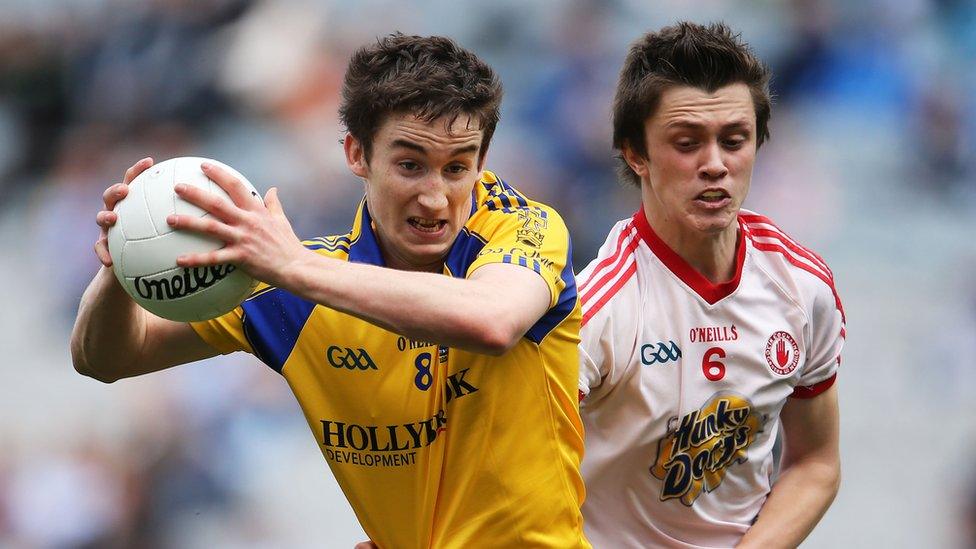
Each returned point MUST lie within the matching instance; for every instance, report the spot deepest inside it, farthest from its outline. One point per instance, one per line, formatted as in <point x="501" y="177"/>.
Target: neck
<point x="712" y="254"/>
<point x="394" y="262"/>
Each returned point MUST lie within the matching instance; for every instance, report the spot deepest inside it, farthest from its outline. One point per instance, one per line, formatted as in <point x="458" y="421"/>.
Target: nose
<point x="712" y="166"/>
<point x="433" y="196"/>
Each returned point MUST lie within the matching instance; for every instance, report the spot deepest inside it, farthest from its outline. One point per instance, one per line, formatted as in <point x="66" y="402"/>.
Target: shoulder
<point x="607" y="286"/>
<point x="795" y="268"/>
<point x="496" y="202"/>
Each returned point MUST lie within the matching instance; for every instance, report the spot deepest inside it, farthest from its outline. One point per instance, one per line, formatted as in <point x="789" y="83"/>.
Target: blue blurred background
<point x="871" y="163"/>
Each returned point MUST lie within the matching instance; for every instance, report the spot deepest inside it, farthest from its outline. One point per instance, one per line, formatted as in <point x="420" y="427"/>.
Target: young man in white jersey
<point x="707" y="331"/>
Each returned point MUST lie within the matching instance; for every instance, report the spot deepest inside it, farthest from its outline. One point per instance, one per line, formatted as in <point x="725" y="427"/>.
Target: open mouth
<point x="426" y="225"/>
<point x="713" y="196"/>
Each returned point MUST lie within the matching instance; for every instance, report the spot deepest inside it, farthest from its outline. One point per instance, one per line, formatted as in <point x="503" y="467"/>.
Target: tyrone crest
<point x="782" y="353"/>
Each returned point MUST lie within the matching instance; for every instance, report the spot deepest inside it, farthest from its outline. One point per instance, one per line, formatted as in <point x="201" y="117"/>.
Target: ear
<point x="637" y="162"/>
<point x="355" y="156"/>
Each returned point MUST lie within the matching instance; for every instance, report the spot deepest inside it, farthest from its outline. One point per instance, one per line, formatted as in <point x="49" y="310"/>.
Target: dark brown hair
<point x="686" y="54"/>
<point x="427" y="76"/>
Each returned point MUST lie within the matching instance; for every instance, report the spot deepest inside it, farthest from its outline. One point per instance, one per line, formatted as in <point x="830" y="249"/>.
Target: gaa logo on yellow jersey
<point x="350" y="359"/>
<point x="695" y="456"/>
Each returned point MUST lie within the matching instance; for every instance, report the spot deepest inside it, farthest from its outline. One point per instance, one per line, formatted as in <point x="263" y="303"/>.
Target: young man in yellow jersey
<point x="433" y="347"/>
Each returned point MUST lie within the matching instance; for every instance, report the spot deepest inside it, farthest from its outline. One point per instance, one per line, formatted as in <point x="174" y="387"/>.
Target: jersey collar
<point x="364" y="248"/>
<point x="705" y="288"/>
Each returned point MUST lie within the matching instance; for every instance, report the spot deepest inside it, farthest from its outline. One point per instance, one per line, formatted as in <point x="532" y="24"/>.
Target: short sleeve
<point x="226" y="332"/>
<point x="827" y="335"/>
<point x="533" y="236"/>
<point x="609" y="333"/>
<point x="594" y="364"/>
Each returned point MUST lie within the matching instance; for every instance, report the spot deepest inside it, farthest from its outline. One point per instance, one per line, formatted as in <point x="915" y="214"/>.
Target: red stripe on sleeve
<point x="796" y="248"/>
<point x="767" y="247"/>
<point x="588" y="313"/>
<point x="815" y="389"/>
<point x="813" y="256"/>
<point x="592" y="289"/>
<point x="610" y="259"/>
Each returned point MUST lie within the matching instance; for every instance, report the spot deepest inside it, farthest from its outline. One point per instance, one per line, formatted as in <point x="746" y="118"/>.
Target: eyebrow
<point x="738" y="124"/>
<point x="403" y="143"/>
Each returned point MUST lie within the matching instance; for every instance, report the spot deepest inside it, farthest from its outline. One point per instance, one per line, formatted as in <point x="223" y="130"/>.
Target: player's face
<point x="701" y="150"/>
<point x="418" y="186"/>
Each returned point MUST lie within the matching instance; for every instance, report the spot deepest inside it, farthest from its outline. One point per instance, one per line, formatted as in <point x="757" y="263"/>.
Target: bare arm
<point x="486" y="313"/>
<point x="810" y="477"/>
<point x="113" y="337"/>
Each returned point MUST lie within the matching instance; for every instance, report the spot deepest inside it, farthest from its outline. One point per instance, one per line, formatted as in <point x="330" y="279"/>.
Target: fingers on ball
<point x="137" y="168"/>
<point x="226" y="181"/>
<point x="101" y="250"/>
<point x="113" y="194"/>
<point x="215" y="257"/>
<point x="106" y="219"/>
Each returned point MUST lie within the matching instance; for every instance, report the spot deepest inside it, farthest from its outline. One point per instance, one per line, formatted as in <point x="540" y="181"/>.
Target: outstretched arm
<point x="810" y="476"/>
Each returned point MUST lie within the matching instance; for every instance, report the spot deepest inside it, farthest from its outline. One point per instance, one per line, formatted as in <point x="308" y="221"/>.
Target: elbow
<point x="498" y="339"/>
<point x="835" y="479"/>
<point x="823" y="473"/>
<point x="83" y="367"/>
<point x="830" y="475"/>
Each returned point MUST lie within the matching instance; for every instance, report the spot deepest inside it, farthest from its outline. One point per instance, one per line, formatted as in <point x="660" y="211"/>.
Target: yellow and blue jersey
<point x="435" y="446"/>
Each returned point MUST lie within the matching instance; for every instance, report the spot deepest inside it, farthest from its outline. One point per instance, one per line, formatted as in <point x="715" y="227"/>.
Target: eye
<point x="457" y="169"/>
<point x="685" y="144"/>
<point x="733" y="143"/>
<point x="409" y="165"/>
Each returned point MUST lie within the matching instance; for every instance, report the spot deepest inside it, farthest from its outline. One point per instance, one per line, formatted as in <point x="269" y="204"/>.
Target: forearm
<point x="109" y="331"/>
<point x="796" y="504"/>
<point x="426" y="306"/>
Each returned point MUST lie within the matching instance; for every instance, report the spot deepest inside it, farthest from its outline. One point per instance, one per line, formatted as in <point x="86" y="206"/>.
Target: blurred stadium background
<point x="871" y="163"/>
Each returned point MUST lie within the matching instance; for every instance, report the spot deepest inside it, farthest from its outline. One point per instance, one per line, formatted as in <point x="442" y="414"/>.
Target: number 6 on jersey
<point x="713" y="369"/>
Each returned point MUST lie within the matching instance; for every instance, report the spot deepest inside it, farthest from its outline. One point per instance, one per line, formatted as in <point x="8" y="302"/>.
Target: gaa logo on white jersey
<point x="659" y="353"/>
<point x="782" y="353"/>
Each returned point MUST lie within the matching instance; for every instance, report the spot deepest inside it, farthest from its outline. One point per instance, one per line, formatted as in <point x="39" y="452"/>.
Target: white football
<point x="144" y="247"/>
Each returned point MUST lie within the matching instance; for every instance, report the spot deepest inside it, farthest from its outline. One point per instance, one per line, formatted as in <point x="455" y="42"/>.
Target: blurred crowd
<point x="874" y="128"/>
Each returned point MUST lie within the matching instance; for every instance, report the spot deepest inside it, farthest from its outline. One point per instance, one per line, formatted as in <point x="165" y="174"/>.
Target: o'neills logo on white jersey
<point x="695" y="456"/>
<point x="189" y="281"/>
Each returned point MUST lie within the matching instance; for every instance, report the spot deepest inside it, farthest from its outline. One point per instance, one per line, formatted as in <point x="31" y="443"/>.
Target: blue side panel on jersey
<point x="563" y="307"/>
<point x="463" y="252"/>
<point x="366" y="249"/>
<point x="273" y="321"/>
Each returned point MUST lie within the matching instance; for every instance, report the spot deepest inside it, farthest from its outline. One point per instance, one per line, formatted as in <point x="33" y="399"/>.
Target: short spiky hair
<point x="427" y="76"/>
<point x="687" y="54"/>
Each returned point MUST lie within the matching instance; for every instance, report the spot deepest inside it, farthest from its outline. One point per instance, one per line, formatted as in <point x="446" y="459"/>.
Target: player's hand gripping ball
<point x="144" y="247"/>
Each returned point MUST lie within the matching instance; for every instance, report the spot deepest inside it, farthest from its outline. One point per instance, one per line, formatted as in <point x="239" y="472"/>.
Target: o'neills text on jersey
<point x="353" y="443"/>
<point x="713" y="333"/>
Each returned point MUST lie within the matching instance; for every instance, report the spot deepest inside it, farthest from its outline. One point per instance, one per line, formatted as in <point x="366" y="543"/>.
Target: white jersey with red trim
<point x="682" y="381"/>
